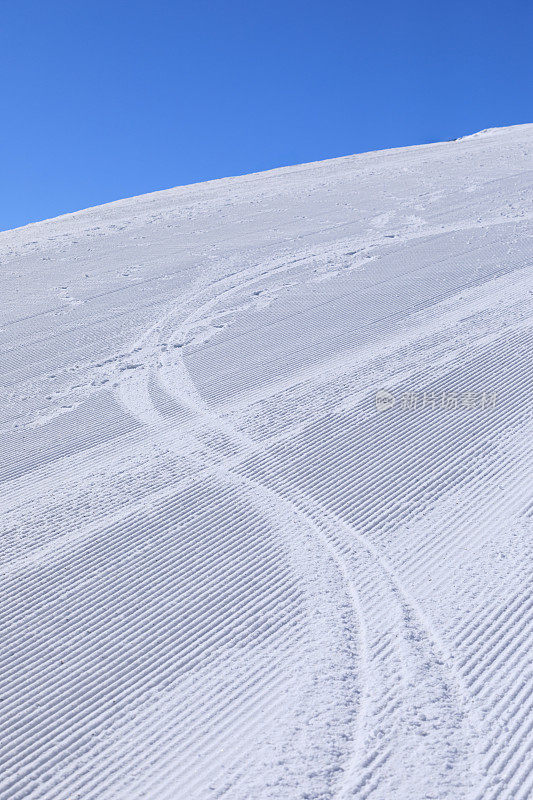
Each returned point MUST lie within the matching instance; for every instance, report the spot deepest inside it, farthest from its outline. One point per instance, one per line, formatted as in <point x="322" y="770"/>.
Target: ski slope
<point x="265" y="486"/>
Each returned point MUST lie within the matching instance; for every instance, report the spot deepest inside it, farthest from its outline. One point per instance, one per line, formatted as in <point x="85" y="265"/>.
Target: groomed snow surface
<point x="266" y="486"/>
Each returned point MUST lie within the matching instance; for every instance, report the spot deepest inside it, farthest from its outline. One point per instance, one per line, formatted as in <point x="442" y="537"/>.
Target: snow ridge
<point x="228" y="568"/>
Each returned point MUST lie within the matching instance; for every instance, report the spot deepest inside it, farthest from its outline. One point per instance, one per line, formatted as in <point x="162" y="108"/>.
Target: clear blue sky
<point x="108" y="99"/>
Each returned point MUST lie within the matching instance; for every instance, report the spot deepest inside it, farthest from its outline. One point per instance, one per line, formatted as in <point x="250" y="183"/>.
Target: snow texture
<point x="265" y="483"/>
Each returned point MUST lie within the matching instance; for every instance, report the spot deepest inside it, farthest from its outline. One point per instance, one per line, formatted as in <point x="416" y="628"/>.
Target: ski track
<point x="225" y="573"/>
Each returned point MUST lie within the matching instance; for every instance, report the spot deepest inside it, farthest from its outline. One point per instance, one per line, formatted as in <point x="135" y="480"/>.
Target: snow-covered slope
<point x="265" y="482"/>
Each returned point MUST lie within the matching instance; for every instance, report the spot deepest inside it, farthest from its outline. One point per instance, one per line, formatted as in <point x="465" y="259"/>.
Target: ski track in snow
<point x="225" y="572"/>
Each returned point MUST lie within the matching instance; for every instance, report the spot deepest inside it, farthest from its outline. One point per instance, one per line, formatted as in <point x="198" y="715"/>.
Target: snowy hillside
<point x="265" y="486"/>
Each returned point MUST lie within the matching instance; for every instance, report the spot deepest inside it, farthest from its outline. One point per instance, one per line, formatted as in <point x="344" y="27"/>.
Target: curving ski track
<point x="225" y="572"/>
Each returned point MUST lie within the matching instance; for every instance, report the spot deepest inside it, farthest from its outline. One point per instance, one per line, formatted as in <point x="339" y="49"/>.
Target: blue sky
<point x="103" y="100"/>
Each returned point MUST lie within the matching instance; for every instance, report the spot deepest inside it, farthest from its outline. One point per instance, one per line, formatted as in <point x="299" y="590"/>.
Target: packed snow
<point x="265" y="486"/>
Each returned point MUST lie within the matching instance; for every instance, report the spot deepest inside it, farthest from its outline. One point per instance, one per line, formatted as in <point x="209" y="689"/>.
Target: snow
<point x="266" y="485"/>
